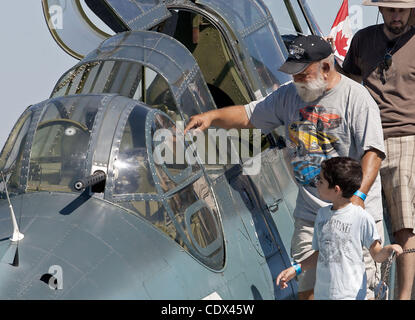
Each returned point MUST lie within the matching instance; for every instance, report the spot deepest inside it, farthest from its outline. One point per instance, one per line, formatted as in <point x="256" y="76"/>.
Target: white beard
<point x="312" y="90"/>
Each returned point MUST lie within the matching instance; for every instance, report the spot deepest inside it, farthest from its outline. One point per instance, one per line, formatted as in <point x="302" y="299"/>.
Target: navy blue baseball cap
<point x="304" y="50"/>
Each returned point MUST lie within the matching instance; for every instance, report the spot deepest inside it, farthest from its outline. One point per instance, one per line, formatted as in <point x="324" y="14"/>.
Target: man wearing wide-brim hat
<point x="382" y="57"/>
<point x="390" y="4"/>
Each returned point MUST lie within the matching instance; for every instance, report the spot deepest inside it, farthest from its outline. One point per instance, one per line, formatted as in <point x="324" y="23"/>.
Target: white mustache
<point x="312" y="90"/>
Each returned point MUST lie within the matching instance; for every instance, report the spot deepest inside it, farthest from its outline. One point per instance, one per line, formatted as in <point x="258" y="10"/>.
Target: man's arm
<point x="227" y="118"/>
<point x="370" y="162"/>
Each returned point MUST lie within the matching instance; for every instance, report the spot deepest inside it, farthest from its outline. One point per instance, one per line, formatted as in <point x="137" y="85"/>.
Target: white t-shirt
<point x="345" y="122"/>
<point x="339" y="236"/>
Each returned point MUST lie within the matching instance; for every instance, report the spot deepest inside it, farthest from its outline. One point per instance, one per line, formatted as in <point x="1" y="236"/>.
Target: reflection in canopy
<point x="259" y="41"/>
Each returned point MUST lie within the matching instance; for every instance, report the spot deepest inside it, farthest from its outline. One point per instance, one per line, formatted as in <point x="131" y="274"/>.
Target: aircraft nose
<point x="74" y="247"/>
<point x="34" y="267"/>
<point x="38" y="266"/>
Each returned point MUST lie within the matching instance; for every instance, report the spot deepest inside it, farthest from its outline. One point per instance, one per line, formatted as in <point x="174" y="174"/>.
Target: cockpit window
<point x="189" y="200"/>
<point x="264" y="61"/>
<point x="129" y="79"/>
<point x="154" y="178"/>
<point x="259" y="42"/>
<point x="60" y="145"/>
<point x="197" y="221"/>
<point x="12" y="153"/>
<point x="288" y="16"/>
<point x="120" y="77"/>
<point x="170" y="155"/>
<point x="131" y="169"/>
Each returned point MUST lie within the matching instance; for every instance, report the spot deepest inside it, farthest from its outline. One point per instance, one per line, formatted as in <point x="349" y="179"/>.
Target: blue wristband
<point x="360" y="194"/>
<point x="297" y="268"/>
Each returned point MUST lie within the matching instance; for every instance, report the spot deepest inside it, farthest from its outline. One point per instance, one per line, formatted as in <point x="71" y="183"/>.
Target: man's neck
<point x="333" y="80"/>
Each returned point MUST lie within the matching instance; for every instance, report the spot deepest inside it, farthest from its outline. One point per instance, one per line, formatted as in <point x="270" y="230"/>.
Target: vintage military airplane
<point x="86" y="211"/>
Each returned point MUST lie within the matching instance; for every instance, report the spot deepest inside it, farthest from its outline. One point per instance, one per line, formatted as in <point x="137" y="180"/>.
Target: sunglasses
<point x="384" y="66"/>
<point x="387" y="60"/>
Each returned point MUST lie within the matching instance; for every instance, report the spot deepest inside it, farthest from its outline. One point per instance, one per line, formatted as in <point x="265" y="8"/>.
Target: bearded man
<point x="325" y="114"/>
<point x="382" y="57"/>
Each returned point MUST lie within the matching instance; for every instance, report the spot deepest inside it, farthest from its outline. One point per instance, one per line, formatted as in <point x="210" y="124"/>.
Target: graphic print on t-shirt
<point x="335" y="235"/>
<point x="310" y="143"/>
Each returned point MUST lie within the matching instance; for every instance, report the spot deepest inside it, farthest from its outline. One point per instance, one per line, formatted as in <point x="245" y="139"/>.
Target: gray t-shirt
<point x="339" y="236"/>
<point x="345" y="121"/>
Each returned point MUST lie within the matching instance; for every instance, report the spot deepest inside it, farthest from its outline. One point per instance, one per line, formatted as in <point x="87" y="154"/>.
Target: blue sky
<point x="31" y="62"/>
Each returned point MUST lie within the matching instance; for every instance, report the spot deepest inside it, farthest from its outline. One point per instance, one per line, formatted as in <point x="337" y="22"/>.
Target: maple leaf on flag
<point x="341" y="33"/>
<point x="341" y="43"/>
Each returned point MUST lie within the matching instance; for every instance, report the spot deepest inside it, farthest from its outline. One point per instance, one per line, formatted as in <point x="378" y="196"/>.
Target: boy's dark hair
<point x="344" y="172"/>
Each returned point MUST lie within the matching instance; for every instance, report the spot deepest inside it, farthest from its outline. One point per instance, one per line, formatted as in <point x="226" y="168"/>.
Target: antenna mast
<point x="17" y="236"/>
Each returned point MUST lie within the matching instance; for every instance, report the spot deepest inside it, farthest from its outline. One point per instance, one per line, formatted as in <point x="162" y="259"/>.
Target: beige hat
<point x="390" y="3"/>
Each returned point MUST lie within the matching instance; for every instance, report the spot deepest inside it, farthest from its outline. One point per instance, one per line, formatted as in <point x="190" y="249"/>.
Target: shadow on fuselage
<point x="265" y="236"/>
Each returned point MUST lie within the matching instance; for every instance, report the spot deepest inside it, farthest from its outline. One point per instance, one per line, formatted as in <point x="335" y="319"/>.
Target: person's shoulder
<point x="356" y="89"/>
<point x="323" y="211"/>
<point x="350" y="82"/>
<point x="366" y="32"/>
<point x="285" y="91"/>
<point x="286" y="87"/>
<point x="278" y="97"/>
<point x="321" y="215"/>
<point x="362" y="213"/>
<point x="353" y="85"/>
<point x="358" y="210"/>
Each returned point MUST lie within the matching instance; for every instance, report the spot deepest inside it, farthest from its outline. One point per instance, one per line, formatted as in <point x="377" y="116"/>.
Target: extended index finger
<point x="193" y="123"/>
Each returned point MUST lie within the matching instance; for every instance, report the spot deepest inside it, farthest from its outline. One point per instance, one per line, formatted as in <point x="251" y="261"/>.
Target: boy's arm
<point x="380" y="254"/>
<point x="289" y="273"/>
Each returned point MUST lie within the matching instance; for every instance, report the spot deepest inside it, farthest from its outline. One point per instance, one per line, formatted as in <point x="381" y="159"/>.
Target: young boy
<point x="340" y="232"/>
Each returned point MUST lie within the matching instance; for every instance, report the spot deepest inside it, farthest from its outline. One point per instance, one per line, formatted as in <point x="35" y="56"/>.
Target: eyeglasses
<point x="384" y="66"/>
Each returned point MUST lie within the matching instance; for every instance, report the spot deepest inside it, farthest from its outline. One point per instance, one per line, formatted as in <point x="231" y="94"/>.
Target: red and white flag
<point x="341" y="33"/>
